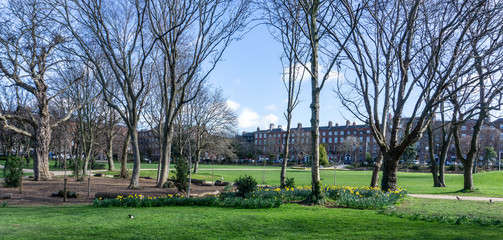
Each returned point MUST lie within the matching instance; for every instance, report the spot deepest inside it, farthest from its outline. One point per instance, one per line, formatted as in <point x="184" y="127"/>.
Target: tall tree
<point x="285" y="30"/>
<point x="402" y="55"/>
<point x="191" y="37"/>
<point x="30" y="40"/>
<point x="110" y="36"/>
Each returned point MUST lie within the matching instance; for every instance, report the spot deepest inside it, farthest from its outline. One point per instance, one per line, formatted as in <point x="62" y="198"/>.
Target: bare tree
<point x="285" y="30"/>
<point x="403" y="55"/>
<point x="189" y="35"/>
<point x="30" y="41"/>
<point x="110" y="36"/>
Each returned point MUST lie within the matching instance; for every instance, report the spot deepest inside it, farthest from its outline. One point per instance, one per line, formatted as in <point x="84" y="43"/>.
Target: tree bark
<point x="286" y="150"/>
<point x="124" y="173"/>
<point x="389" y="179"/>
<point x="110" y="153"/>
<point x="135" y="178"/>
<point x="42" y="141"/>
<point x="468" y="176"/>
<point x="166" y="155"/>
<point x="196" y="162"/>
<point x="374" y="181"/>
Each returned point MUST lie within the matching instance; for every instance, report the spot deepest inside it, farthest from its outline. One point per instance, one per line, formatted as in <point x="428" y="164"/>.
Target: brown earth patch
<point x="39" y="192"/>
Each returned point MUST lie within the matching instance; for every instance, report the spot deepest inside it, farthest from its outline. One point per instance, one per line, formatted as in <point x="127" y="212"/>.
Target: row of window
<point x="260" y="135"/>
<point x="305" y="140"/>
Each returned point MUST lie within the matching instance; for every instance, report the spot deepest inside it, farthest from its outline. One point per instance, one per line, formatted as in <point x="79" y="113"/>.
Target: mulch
<point x="39" y="192"/>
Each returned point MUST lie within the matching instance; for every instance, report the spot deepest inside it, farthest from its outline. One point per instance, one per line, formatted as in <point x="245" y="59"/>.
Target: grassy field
<point x="488" y="184"/>
<point x="451" y="208"/>
<point x="287" y="222"/>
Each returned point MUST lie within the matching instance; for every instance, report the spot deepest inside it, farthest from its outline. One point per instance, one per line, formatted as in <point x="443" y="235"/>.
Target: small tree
<point x="410" y="154"/>
<point x="490" y="155"/>
<point x="13" y="172"/>
<point x="245" y="185"/>
<point x="182" y="171"/>
<point x="323" y="155"/>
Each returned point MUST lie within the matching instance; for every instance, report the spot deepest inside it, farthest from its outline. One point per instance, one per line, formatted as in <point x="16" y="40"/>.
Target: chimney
<point x="258" y="129"/>
<point x="348" y="123"/>
<point x="354" y="123"/>
<point x="279" y="126"/>
<point x="329" y="124"/>
<point x="271" y="126"/>
<point x="299" y="126"/>
<point x="336" y="124"/>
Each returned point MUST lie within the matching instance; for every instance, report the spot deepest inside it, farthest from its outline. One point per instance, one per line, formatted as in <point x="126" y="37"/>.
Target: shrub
<point x="168" y="184"/>
<point x="290" y="182"/>
<point x="181" y="173"/>
<point x="13" y="171"/>
<point x="96" y="165"/>
<point x="245" y="185"/>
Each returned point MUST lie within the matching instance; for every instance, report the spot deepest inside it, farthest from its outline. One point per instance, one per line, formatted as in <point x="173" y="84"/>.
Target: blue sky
<point x="250" y="76"/>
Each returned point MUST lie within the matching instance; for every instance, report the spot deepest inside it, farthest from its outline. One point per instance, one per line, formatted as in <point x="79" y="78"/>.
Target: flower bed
<point x="353" y="197"/>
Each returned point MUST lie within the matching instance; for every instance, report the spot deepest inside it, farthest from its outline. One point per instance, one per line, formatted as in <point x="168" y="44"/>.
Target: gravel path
<point x="494" y="199"/>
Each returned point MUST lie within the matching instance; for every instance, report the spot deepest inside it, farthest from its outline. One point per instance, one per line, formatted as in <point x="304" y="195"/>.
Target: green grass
<point x="287" y="222"/>
<point x="446" y="207"/>
<point x="488" y="184"/>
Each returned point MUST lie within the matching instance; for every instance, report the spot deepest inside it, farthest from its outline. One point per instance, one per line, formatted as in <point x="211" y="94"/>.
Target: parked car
<point x="415" y="162"/>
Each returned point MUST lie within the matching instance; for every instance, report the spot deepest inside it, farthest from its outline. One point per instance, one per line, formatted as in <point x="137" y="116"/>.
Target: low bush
<point x="245" y="185"/>
<point x="364" y="197"/>
<point x="289" y="183"/>
<point x="96" y="165"/>
<point x="171" y="200"/>
<point x="13" y="172"/>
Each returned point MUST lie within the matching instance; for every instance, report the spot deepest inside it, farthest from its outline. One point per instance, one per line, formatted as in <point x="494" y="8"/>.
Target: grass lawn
<point x="451" y="208"/>
<point x="287" y="222"/>
<point x="488" y="184"/>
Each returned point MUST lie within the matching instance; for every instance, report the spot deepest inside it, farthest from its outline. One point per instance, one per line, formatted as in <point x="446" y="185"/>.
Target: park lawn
<point x="489" y="184"/>
<point x="450" y="208"/>
<point x="290" y="221"/>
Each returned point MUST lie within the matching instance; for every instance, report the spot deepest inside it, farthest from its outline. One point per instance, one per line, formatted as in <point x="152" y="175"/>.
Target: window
<point x="323" y="140"/>
<point x="501" y="126"/>
<point x="349" y="132"/>
<point x="342" y="132"/>
<point x="260" y="142"/>
<point x="335" y="133"/>
<point x="323" y="133"/>
<point x="361" y="139"/>
<point x="256" y="135"/>
<point x="329" y="140"/>
<point x="261" y="135"/>
<point x="329" y="133"/>
<point x="284" y="134"/>
<point x="283" y="141"/>
<point x="368" y="139"/>
<point x="354" y="132"/>
<point x="463" y="135"/>
<point x="368" y="131"/>
<point x="336" y="140"/>
<point x="279" y="141"/>
<point x="463" y="127"/>
<point x="342" y="140"/>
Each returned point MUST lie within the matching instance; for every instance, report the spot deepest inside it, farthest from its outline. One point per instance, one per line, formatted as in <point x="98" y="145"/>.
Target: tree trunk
<point x="135" y="178"/>
<point x="110" y="153"/>
<point x="374" y="181"/>
<point x="468" y="175"/>
<point x="196" y="162"/>
<point x="389" y="179"/>
<point x="431" y="154"/>
<point x="42" y="141"/>
<point x="166" y="155"/>
<point x="124" y="173"/>
<point x="287" y="146"/>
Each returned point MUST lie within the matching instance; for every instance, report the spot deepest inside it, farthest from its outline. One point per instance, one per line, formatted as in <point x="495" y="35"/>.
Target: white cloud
<point x="233" y="105"/>
<point x="271" y="107"/>
<point x="251" y="119"/>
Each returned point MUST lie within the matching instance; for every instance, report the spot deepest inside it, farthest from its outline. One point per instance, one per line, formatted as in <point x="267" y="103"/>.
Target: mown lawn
<point x="488" y="184"/>
<point x="450" y="208"/>
<point x="287" y="222"/>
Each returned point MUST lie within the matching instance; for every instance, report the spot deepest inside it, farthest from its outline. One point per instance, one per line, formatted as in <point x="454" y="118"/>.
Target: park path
<point x="432" y="196"/>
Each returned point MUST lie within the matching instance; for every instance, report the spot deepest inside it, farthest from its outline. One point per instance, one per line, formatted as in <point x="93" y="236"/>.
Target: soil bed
<point x="39" y="192"/>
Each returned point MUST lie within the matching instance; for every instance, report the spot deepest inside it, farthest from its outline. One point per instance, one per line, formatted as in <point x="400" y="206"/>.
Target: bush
<point x="96" y="165"/>
<point x="245" y="185"/>
<point x="168" y="184"/>
<point x="13" y="171"/>
<point x="181" y="173"/>
<point x="290" y="182"/>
